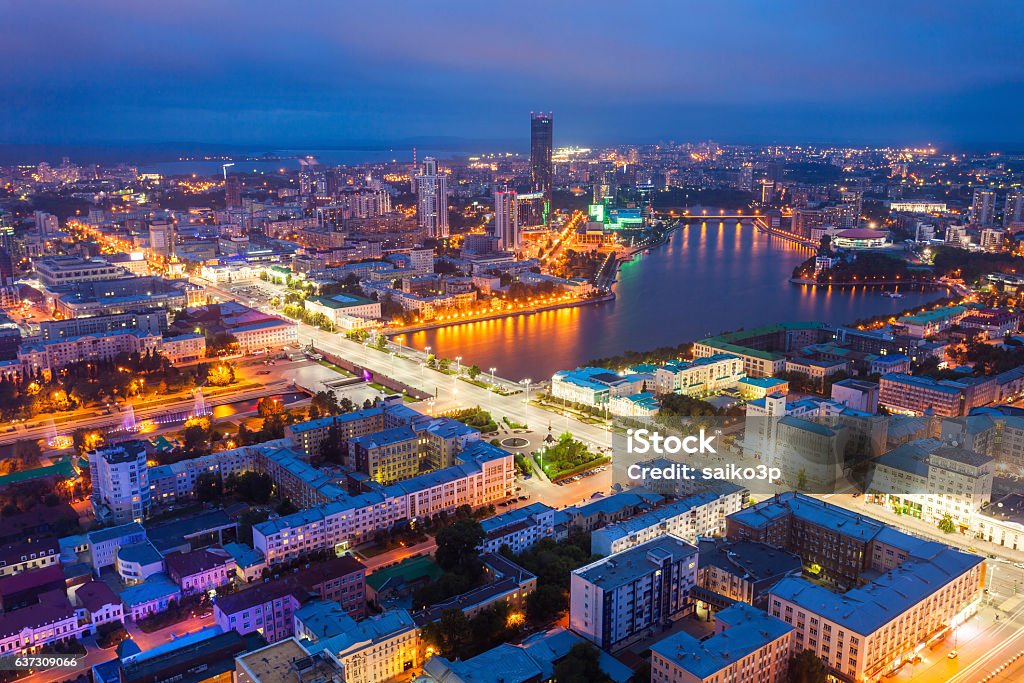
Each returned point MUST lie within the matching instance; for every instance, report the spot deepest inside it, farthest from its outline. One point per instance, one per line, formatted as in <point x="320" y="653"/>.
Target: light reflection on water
<point x="709" y="278"/>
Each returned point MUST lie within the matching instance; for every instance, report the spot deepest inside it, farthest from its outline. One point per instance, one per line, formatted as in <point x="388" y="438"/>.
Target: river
<point x="708" y="278"/>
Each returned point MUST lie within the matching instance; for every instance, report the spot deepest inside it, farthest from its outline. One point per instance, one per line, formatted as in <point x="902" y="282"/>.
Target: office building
<point x="916" y="395"/>
<point x="620" y="597"/>
<point x="541" y="148"/>
<point x="120" y="482"/>
<point x="432" y="199"/>
<point x="54" y="271"/>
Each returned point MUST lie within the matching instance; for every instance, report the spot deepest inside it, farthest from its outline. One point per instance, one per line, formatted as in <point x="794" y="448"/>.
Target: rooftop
<point x="747" y="629"/>
<point x="629" y="565"/>
<point x="866" y="609"/>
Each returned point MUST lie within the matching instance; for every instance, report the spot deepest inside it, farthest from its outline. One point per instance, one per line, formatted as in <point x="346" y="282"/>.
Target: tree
<point x="947" y="524"/>
<point x="473" y="371"/>
<point x="581" y="666"/>
<point x="806" y="667"/>
<point x="450" y="635"/>
<point x="456" y="547"/>
<point x="269" y="406"/>
<point x="209" y="487"/>
<point x="801" y="480"/>
<point x="252" y="487"/>
<point x="545" y="604"/>
<point x="221" y="375"/>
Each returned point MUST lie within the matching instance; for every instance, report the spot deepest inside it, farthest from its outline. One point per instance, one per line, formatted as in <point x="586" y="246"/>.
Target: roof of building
<point x="42" y="614"/>
<point x="273" y="663"/>
<point x="139" y="553"/>
<point x="324" y="618"/>
<point x="512" y="517"/>
<point x="32" y="580"/>
<point x="116" y="532"/>
<point x="94" y="595"/>
<point x="367" y="631"/>
<point x="262" y="593"/>
<point x="911" y="457"/>
<point x="174" y="534"/>
<point x="338" y="301"/>
<point x="155" y="587"/>
<point x="243" y="555"/>
<point x="629" y="565"/>
<point x="387" y="437"/>
<point x="866" y="609"/>
<point x="658" y="515"/>
<point x="617" y="503"/>
<point x="747" y="559"/>
<point x="197" y="561"/>
<point x="747" y="629"/>
<point x="411" y="570"/>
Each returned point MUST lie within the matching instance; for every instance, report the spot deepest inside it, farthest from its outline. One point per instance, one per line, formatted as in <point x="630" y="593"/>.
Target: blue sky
<point x="272" y="73"/>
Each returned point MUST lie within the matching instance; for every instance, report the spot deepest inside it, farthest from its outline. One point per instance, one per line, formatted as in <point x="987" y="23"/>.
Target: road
<point x="450" y="392"/>
<point x="43" y="429"/>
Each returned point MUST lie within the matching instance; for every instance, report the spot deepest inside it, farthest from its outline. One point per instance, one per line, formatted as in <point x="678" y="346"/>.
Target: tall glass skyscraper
<point x="541" y="126"/>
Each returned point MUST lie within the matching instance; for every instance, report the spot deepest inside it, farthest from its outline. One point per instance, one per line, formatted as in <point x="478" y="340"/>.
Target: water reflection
<point x="706" y="280"/>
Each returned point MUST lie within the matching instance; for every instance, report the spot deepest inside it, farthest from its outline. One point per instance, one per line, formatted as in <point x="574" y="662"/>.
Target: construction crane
<point x="224" y="168"/>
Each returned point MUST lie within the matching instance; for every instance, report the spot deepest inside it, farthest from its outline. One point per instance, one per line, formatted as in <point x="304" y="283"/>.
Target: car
<point x="263" y="372"/>
<point x="952" y="654"/>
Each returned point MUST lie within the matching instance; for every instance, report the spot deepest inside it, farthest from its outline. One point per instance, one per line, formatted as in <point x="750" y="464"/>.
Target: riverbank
<point x="412" y="329"/>
<point x="916" y="284"/>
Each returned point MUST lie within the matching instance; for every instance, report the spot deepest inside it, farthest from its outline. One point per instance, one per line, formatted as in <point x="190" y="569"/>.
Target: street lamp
<point x="458" y="365"/>
<point x="492" y="375"/>
<point x="526" y="383"/>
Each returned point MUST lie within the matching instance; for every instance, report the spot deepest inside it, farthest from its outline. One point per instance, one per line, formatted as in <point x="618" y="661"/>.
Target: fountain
<point x="199" y="408"/>
<point x="53" y="440"/>
<point x="128" y="423"/>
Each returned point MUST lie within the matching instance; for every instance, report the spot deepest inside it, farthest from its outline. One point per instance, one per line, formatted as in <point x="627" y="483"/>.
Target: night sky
<point x="275" y="73"/>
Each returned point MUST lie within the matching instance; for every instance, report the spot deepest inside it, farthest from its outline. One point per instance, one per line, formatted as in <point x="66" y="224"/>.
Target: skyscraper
<point x="983" y="207"/>
<point x="506" y="219"/>
<point x="233" y="192"/>
<point x="541" y="127"/>
<point x="432" y="199"/>
<point x="1013" y="212"/>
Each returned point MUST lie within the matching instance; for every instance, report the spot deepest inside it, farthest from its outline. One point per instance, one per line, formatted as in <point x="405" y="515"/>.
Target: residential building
<point x="866" y="632"/>
<point x="697" y="515"/>
<point x="748" y="646"/>
<point x="432" y="199"/>
<point x="619" y="597"/>
<point x="120" y="482"/>
<point x="518" y="529"/>
<point x="483" y="474"/>
<point x="202" y="570"/>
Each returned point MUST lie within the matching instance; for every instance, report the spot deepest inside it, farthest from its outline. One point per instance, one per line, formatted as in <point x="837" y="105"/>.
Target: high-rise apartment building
<point x="616" y="599"/>
<point x="1013" y="211"/>
<point x="983" y="207"/>
<point x="120" y="482"/>
<point x="432" y="199"/>
<point x="506" y="219"/>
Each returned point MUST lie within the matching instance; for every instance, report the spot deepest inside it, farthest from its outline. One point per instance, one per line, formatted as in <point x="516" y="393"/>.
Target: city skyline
<point x="875" y="74"/>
